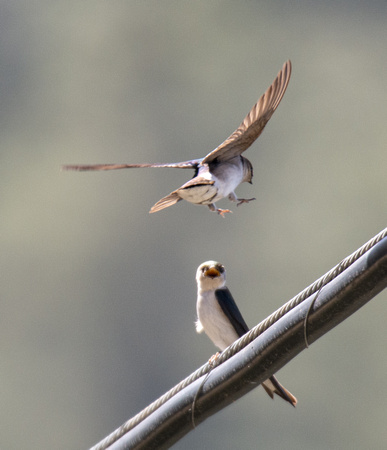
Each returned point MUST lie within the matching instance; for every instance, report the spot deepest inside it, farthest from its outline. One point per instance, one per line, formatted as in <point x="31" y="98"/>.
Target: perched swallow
<point x="220" y="318"/>
<point x="222" y="170"/>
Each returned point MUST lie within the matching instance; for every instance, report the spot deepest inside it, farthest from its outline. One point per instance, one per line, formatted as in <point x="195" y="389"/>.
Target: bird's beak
<point x="212" y="272"/>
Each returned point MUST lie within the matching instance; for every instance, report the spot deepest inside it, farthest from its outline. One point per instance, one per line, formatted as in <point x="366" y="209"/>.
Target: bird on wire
<point x="223" y="169"/>
<point x="220" y="318"/>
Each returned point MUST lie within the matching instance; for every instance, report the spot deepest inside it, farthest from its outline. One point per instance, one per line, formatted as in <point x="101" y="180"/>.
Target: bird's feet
<point x="213" y="358"/>
<point x="222" y="212"/>
<point x="233" y="198"/>
<point x="244" y="200"/>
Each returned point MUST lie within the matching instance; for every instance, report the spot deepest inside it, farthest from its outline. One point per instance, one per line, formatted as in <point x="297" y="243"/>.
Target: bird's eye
<point x="221" y="269"/>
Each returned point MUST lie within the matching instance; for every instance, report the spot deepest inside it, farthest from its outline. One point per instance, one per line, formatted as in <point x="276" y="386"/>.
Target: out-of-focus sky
<point x="98" y="297"/>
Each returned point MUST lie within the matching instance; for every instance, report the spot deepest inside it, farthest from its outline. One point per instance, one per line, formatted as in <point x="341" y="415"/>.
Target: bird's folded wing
<point x="255" y="121"/>
<point x="273" y="386"/>
<point x="230" y="309"/>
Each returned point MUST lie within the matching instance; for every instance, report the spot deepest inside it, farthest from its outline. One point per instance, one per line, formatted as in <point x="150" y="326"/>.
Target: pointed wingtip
<point x="273" y="386"/>
<point x="294" y="401"/>
<point x="290" y="398"/>
<point x="67" y="167"/>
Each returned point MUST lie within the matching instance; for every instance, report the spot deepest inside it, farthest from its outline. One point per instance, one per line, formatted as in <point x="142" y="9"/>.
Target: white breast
<point x="228" y="175"/>
<point x="213" y="320"/>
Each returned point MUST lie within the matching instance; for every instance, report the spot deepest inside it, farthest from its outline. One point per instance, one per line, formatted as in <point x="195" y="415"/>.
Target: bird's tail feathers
<point x="169" y="200"/>
<point x="273" y="386"/>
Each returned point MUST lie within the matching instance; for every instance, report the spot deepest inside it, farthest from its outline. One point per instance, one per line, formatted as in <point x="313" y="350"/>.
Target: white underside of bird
<point x="220" y="331"/>
<point x="214" y="185"/>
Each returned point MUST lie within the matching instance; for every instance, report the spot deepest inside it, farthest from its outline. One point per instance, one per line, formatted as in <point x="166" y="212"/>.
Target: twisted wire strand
<point x="299" y="298"/>
<point x="242" y="342"/>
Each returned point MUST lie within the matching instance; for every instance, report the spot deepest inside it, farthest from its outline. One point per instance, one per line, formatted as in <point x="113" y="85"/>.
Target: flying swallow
<point x="220" y="318"/>
<point x="223" y="169"/>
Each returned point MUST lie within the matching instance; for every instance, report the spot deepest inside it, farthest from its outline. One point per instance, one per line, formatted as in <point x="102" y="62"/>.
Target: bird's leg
<point x="222" y="212"/>
<point x="213" y="358"/>
<point x="233" y="198"/>
<point x="245" y="200"/>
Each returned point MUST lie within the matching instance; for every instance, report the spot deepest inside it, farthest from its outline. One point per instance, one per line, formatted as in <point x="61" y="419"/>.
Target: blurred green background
<point x="98" y="297"/>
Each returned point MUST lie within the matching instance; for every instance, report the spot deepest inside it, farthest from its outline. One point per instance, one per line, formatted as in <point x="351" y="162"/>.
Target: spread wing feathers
<point x="169" y="200"/>
<point x="273" y="386"/>
<point x="230" y="309"/>
<point x="255" y="121"/>
<point x="192" y="164"/>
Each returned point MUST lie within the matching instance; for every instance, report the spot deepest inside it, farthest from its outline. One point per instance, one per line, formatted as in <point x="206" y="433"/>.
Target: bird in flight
<point x="223" y="169"/>
<point x="220" y="318"/>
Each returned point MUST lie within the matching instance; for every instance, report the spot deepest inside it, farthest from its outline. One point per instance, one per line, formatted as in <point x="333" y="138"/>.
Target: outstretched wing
<point x="230" y="309"/>
<point x="191" y="164"/>
<point x="255" y="121"/>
